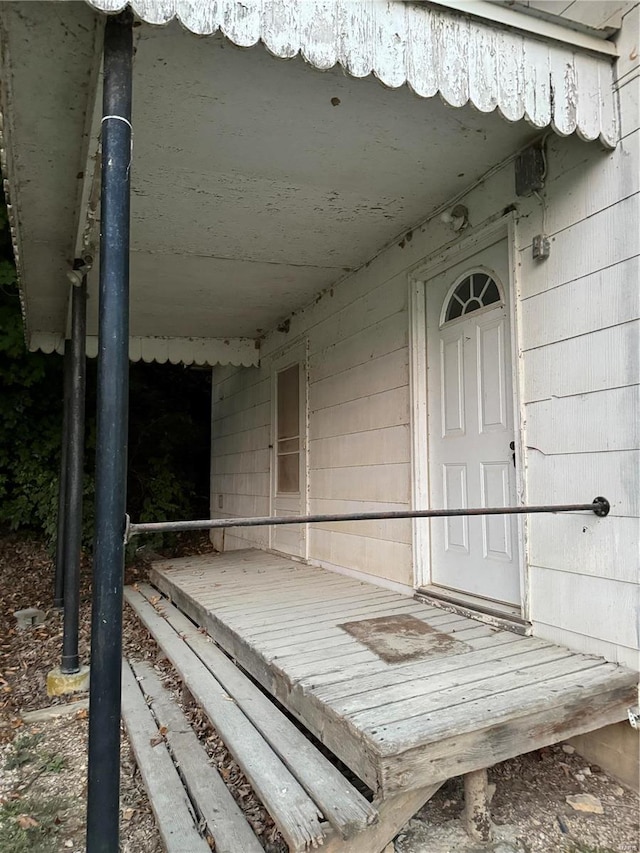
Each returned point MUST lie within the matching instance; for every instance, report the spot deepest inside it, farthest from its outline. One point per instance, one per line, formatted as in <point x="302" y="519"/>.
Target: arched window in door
<point x="472" y="292"/>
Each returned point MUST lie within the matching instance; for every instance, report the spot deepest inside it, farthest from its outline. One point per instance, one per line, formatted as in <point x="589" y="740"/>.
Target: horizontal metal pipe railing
<point x="600" y="506"/>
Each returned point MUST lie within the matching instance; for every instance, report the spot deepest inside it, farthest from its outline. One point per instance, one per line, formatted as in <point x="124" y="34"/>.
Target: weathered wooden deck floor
<point x="413" y="697"/>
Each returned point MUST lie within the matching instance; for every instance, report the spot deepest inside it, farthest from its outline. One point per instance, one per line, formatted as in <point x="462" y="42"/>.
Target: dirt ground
<point x="43" y="764"/>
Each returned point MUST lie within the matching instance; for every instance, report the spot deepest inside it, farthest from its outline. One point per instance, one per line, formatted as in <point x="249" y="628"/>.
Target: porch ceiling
<point x="256" y="183"/>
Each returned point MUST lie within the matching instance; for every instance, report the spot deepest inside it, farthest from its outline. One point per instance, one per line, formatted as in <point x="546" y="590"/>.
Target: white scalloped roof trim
<point x="430" y="49"/>
<point x="241" y="352"/>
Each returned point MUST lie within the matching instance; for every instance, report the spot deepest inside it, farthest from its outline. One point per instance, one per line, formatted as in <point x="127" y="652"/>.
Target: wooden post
<point x="477" y="818"/>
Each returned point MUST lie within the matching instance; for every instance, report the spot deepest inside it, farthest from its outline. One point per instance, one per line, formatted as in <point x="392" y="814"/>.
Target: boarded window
<point x="288" y="430"/>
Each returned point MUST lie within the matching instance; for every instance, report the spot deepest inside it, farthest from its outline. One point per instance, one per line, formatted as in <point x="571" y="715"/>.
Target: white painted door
<point x="470" y="416"/>
<point x="288" y="455"/>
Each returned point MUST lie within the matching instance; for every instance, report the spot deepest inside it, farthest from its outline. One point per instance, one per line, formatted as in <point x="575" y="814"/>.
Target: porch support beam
<point x="111" y="448"/>
<point x="74" y="479"/>
<point x="477" y="817"/>
<point x="394" y="812"/>
<point x="58" y="593"/>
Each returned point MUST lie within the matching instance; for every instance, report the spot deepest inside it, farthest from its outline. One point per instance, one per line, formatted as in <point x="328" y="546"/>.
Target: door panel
<point x="452" y="380"/>
<point x="470" y="417"/>
<point x="491" y="379"/>
<point x="496" y="529"/>
<point x="455" y="495"/>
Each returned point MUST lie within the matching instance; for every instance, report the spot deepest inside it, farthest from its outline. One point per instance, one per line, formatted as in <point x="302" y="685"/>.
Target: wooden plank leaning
<point x="224" y="820"/>
<point x="167" y="795"/>
<point x="343" y="806"/>
<point x="293" y="811"/>
<point x="395" y="811"/>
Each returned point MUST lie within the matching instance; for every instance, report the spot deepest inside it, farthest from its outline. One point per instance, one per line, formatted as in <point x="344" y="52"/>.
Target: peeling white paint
<point x="239" y="352"/>
<point x="430" y="49"/>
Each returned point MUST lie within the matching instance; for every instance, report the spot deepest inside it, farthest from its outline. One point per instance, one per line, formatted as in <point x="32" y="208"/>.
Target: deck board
<point x="339" y="802"/>
<point x="483" y="639"/>
<point x="295" y="814"/>
<point x="396" y="698"/>
<point x="418" y="711"/>
<point x="306" y="604"/>
<point x="412" y="723"/>
<point x="224" y="820"/>
<point x="322" y="631"/>
<point x="368" y="690"/>
<point x="325" y="625"/>
<point x="171" y="806"/>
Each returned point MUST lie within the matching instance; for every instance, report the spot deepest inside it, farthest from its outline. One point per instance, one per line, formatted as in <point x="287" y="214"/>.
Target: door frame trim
<point x="294" y="353"/>
<point x="452" y="254"/>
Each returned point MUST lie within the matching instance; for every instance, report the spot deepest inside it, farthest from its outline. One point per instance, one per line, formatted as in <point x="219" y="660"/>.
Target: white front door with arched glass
<point x="471" y="426"/>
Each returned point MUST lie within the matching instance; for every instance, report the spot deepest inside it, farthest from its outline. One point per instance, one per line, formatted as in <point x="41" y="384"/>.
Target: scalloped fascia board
<point x="206" y="351"/>
<point x="544" y="76"/>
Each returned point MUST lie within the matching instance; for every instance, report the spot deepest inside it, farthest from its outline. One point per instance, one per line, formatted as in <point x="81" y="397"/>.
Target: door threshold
<point x="502" y="616"/>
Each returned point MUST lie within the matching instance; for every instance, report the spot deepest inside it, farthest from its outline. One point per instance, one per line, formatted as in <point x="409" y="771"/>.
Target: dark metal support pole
<point x="58" y="592"/>
<point x="74" y="481"/>
<point x="111" y="448"/>
<point x="599" y="506"/>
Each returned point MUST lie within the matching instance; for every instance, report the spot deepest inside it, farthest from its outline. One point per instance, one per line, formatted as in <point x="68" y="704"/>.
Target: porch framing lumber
<point x="224" y="819"/>
<point x="169" y="801"/>
<point x="408" y="736"/>
<point x="395" y="811"/>
<point x="477" y="818"/>
<point x="296" y="816"/>
<point x="540" y="723"/>
<point x="347" y="810"/>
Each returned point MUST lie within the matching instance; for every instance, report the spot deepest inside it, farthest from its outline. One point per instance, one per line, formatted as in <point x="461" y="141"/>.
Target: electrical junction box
<point x="541" y="247"/>
<point x="530" y="170"/>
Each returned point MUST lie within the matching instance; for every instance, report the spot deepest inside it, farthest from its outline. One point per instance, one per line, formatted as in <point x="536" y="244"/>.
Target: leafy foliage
<point x="168" y="429"/>
<point x="31" y="825"/>
<point x="30" y="412"/>
<point x="581" y="847"/>
<point x="23" y="751"/>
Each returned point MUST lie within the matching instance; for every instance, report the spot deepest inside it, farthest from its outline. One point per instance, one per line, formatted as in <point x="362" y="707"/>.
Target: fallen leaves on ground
<point x="26" y="579"/>
<point x="26" y="821"/>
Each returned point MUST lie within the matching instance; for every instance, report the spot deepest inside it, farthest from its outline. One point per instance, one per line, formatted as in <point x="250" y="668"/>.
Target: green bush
<point x="30" y="408"/>
<point x="168" y="429"/>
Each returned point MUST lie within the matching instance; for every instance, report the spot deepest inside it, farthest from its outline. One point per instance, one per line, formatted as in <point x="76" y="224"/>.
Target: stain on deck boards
<point x="400" y="638"/>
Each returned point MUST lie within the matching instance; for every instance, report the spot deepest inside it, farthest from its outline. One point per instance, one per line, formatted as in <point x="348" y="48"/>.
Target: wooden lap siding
<point x="241" y="434"/>
<point x="359" y="433"/>
<point x="578" y="374"/>
<point x="358" y="439"/>
<point x="580" y="340"/>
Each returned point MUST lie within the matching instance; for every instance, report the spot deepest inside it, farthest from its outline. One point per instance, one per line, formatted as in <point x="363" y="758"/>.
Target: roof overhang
<point x="257" y="184"/>
<point x="549" y="77"/>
